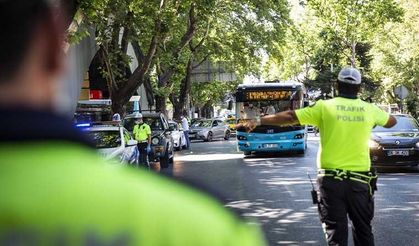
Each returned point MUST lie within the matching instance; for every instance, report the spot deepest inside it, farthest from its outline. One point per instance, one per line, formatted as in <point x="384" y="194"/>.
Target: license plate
<point x="192" y="135"/>
<point x="398" y="152"/>
<point x="270" y="145"/>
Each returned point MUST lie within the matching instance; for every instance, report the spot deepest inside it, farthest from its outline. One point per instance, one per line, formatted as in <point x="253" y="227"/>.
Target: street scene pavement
<point x="275" y="191"/>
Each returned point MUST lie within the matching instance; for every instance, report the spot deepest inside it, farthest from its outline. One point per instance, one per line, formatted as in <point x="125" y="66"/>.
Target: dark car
<point x="161" y="140"/>
<point x="396" y="146"/>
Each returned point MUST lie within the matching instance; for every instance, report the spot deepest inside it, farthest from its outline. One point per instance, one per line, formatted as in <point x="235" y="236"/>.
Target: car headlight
<point x="373" y="144"/>
<point x="417" y="145"/>
<point x="155" y="141"/>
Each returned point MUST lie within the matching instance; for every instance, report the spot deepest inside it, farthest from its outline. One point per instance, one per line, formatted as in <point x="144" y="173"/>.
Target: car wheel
<point x="164" y="161"/>
<point x="209" y="137"/>
<point x="227" y="136"/>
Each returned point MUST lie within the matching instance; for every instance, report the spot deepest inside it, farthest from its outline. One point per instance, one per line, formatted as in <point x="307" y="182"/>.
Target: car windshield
<point x="154" y="123"/>
<point x="249" y="110"/>
<point x="173" y="125"/>
<point x="404" y="124"/>
<point x="202" y="123"/>
<point x="105" y="139"/>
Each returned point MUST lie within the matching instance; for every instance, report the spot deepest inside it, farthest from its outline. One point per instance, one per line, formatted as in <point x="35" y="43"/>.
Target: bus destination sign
<point x="267" y="95"/>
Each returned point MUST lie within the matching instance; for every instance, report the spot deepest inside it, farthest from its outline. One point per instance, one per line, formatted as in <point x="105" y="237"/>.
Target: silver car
<point x="114" y="143"/>
<point x="209" y="129"/>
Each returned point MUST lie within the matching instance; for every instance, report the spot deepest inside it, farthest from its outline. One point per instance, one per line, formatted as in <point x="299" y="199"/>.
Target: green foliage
<point x="236" y="33"/>
<point x="396" y="53"/>
<point x="332" y="34"/>
<point x="211" y="92"/>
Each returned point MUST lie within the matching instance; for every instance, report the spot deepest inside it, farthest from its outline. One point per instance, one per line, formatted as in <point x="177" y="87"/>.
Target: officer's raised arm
<point x="391" y="122"/>
<point x="282" y="118"/>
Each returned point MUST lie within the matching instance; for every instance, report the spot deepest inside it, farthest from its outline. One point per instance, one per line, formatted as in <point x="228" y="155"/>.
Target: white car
<point x="178" y="136"/>
<point x="114" y="143"/>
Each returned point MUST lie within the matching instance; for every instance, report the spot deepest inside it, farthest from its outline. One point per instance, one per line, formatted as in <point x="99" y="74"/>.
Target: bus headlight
<point x="299" y="136"/>
<point x="239" y="137"/>
<point x="417" y="145"/>
<point x="373" y="144"/>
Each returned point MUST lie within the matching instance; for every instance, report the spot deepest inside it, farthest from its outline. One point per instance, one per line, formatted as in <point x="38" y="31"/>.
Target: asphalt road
<point x="274" y="190"/>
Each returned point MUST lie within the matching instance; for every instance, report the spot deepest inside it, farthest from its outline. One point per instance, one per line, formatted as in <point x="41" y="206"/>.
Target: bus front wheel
<point x="302" y="151"/>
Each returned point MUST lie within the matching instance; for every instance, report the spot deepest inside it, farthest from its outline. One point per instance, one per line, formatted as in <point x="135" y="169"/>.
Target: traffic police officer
<point x="142" y="133"/>
<point x="346" y="184"/>
<point x="54" y="187"/>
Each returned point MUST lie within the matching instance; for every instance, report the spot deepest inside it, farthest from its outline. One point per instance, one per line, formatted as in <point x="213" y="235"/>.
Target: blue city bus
<point x="269" y="98"/>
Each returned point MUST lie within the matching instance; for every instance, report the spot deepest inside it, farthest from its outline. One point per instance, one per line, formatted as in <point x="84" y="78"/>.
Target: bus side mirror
<point x="306" y="104"/>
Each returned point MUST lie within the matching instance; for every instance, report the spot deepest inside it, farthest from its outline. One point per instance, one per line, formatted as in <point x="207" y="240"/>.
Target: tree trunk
<point x="118" y="105"/>
<point x="177" y="111"/>
<point x="161" y="104"/>
<point x="185" y="89"/>
<point x="353" y="54"/>
<point x="149" y="92"/>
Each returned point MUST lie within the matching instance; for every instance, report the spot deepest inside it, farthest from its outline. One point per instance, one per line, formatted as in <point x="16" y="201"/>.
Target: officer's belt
<point x="363" y="177"/>
<point x="143" y="141"/>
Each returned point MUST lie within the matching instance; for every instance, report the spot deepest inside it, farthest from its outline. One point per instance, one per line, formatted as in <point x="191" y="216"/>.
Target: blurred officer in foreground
<point x="346" y="182"/>
<point x="54" y="189"/>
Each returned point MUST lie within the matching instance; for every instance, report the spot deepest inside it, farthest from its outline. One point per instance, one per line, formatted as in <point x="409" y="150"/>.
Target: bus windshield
<point x="251" y="110"/>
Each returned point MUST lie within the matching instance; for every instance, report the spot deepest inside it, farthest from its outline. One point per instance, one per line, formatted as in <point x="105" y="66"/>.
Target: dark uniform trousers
<point x="143" y="158"/>
<point x="339" y="199"/>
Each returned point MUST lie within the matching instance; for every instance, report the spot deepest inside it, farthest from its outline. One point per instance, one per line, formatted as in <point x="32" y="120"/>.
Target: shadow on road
<point x="275" y="155"/>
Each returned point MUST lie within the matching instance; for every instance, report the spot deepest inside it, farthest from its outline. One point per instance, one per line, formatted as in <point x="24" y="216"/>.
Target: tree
<point x="350" y="22"/>
<point x="236" y="34"/>
<point x="205" y="95"/>
<point x="396" y="53"/>
<point x="143" y="24"/>
<point x="331" y="35"/>
<point x="160" y="33"/>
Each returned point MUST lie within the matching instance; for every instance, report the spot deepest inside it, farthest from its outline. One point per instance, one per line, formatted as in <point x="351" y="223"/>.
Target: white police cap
<point x="350" y="75"/>
<point x="138" y="115"/>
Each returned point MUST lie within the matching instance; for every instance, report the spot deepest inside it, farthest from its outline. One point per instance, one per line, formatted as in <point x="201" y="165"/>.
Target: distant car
<point x="162" y="147"/>
<point x="231" y="122"/>
<point x="113" y="142"/>
<point x="208" y="130"/>
<point x="396" y="146"/>
<point x="178" y="136"/>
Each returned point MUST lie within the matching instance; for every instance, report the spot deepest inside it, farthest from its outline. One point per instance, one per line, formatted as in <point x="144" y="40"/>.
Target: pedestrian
<point x="185" y="127"/>
<point x="142" y="133"/>
<point x="54" y="187"/>
<point x="345" y="179"/>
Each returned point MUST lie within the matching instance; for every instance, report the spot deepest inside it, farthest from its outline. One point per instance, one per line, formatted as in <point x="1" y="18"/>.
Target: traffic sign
<point x="401" y="91"/>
